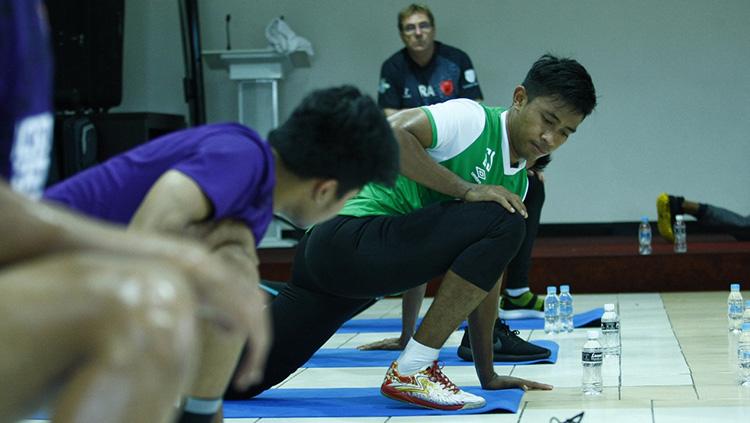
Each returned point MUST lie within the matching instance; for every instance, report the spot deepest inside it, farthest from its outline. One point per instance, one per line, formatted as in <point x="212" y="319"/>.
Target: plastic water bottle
<point x="551" y="310"/>
<point x="610" y="330"/>
<point x="591" y="359"/>
<point x="743" y="355"/>
<point x="680" y="235"/>
<point x="566" y="309"/>
<point x="735" y="307"/>
<point x="644" y="237"/>
<point x="733" y="339"/>
<point x="746" y="313"/>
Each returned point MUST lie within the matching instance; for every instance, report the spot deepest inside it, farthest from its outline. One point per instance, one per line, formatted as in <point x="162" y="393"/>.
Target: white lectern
<point x="258" y="72"/>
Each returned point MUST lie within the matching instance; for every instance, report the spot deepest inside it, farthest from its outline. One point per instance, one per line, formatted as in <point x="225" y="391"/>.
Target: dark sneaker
<point x="507" y="346"/>
<point x="667" y="206"/>
<point x="525" y="306"/>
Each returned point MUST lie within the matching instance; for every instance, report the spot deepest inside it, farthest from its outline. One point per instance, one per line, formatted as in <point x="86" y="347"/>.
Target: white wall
<point x="674" y="95"/>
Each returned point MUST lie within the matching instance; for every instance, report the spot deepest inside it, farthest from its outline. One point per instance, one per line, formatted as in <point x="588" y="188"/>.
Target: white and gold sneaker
<point x="429" y="388"/>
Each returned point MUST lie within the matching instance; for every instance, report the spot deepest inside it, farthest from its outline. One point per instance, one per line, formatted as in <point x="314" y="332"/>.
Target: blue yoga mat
<point x="352" y="357"/>
<point x="372" y="325"/>
<point x="587" y="318"/>
<point x="394" y="325"/>
<point x="349" y="402"/>
<point x="355" y="402"/>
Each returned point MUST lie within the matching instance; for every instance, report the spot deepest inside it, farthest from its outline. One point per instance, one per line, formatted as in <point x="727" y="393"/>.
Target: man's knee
<point x="501" y="235"/>
<point x="516" y="229"/>
<point x="151" y="318"/>
<point x="504" y="225"/>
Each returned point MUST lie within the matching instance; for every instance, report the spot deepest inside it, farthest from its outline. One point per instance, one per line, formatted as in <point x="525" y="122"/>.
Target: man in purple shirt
<point x="229" y="163"/>
<point x="225" y="181"/>
<point x="83" y="303"/>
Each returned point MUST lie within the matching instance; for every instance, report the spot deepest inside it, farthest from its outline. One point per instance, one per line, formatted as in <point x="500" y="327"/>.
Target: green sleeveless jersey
<point x="470" y="140"/>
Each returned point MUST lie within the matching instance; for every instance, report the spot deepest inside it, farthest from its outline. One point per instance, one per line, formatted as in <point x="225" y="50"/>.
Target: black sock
<point x="188" y="417"/>
<point x="701" y="210"/>
<point x="678" y="201"/>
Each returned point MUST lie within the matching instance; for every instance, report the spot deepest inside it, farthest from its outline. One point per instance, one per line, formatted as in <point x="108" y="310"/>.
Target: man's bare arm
<point x="414" y="134"/>
<point x="171" y="204"/>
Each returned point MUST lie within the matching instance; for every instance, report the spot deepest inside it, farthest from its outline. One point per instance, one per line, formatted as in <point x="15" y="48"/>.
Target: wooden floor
<point x="675" y="367"/>
<point x="676" y="362"/>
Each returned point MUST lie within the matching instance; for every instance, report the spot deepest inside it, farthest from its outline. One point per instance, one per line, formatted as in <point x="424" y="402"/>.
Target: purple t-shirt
<point x="25" y="95"/>
<point x="231" y="163"/>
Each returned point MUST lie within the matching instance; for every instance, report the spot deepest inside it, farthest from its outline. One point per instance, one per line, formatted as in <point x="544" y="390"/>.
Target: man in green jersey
<point x="456" y="210"/>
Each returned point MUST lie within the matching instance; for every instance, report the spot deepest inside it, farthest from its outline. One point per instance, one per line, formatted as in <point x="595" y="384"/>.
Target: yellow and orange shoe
<point x="429" y="388"/>
<point x="667" y="207"/>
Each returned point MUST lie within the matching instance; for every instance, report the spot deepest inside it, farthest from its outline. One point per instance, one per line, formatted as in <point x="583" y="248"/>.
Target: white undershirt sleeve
<point x="457" y="124"/>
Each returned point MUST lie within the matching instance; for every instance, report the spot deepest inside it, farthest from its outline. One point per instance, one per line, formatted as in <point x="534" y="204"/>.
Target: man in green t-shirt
<point x="457" y="209"/>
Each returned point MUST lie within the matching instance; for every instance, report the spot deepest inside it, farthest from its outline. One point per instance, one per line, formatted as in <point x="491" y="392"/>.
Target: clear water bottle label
<point x="610" y="325"/>
<point x="736" y="308"/>
<point x="591" y="357"/>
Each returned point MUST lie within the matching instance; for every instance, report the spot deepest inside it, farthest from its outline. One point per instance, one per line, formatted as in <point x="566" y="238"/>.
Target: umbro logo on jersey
<point x="480" y="173"/>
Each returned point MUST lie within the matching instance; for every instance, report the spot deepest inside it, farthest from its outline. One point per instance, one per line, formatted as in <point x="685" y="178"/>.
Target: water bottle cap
<point x="735" y="287"/>
<point x="593" y="334"/>
<point x="551" y="289"/>
<point x="679" y="218"/>
<point x="746" y="327"/>
<point x="564" y="288"/>
<point x="644" y="219"/>
<point x="609" y="307"/>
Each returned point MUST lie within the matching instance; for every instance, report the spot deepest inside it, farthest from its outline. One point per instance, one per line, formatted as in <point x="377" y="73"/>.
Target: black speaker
<point x="119" y="132"/>
<point x="79" y="144"/>
<point x="87" y="37"/>
<point x="75" y="146"/>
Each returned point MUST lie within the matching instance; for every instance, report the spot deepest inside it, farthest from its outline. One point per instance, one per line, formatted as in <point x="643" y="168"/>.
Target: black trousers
<point x="343" y="265"/>
<point x="518" y="269"/>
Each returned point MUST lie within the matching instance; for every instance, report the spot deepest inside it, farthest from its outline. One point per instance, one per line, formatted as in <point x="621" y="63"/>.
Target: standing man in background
<point x="425" y="71"/>
<point x="422" y="73"/>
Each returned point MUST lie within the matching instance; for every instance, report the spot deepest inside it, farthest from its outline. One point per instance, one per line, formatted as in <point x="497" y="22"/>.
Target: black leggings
<point x="518" y="268"/>
<point x="343" y="265"/>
